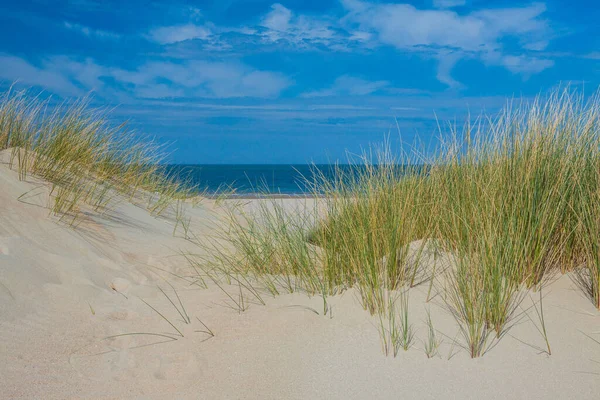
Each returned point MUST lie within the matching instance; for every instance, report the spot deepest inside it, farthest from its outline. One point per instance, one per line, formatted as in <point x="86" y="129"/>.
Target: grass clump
<point x="395" y="329"/>
<point x="511" y="200"/>
<point x="432" y="344"/>
<point x="266" y="245"/>
<point x="85" y="158"/>
<point x="372" y="214"/>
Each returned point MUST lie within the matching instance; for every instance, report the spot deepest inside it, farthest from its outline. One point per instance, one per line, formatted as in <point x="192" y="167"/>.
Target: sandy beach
<point x="67" y="292"/>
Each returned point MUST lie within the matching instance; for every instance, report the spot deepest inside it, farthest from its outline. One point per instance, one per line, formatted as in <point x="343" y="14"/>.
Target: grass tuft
<point x="85" y="158"/>
<point x="432" y="344"/>
<point x="509" y="200"/>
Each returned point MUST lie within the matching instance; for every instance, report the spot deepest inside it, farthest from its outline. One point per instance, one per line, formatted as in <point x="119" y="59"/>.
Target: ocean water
<point x="255" y="180"/>
<point x="289" y="179"/>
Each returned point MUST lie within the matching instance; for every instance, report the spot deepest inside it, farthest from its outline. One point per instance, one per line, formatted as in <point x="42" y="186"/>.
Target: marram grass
<point x="85" y="158"/>
<point x="512" y="199"/>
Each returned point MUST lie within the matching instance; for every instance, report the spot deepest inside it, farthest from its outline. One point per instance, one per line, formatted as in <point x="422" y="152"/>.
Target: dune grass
<point x="85" y="158"/>
<point x="512" y="199"/>
<point x="432" y="344"/>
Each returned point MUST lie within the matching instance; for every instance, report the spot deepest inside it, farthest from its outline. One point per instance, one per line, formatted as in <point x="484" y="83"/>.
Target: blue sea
<point x="252" y="180"/>
<point x="256" y="180"/>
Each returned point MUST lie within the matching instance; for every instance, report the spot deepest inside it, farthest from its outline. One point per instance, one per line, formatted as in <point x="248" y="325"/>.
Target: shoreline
<point x="254" y="196"/>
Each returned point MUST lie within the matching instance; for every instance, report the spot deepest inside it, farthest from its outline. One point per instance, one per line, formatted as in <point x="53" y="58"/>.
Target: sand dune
<point x="66" y="292"/>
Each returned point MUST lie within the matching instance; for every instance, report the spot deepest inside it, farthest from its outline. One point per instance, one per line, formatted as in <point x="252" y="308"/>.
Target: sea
<point x="252" y="180"/>
<point x="288" y="180"/>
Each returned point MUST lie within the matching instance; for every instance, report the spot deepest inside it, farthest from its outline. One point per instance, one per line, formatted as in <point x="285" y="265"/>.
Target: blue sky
<point x="258" y="81"/>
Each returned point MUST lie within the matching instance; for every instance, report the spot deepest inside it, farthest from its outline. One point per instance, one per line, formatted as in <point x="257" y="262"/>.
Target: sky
<point x="258" y="81"/>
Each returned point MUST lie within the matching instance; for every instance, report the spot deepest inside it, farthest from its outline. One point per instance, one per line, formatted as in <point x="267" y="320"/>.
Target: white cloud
<point x="449" y="36"/>
<point x="263" y="83"/>
<point x="439" y="33"/>
<point x="525" y="65"/>
<point x="87" y="31"/>
<point x="202" y="79"/>
<point x="524" y="23"/>
<point x="278" y="18"/>
<point x="368" y="24"/>
<point x="86" y="73"/>
<point x="404" y="26"/>
<point x="278" y="25"/>
<point x="350" y="86"/>
<point x="16" y="69"/>
<point x="69" y="77"/>
<point x="444" y="72"/>
<point x="281" y="24"/>
<point x="180" y="33"/>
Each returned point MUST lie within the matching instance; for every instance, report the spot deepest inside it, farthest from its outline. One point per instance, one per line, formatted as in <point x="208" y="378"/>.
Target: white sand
<point x="53" y="346"/>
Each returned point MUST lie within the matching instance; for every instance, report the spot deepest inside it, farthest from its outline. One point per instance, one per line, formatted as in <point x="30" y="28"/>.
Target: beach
<point x="69" y="292"/>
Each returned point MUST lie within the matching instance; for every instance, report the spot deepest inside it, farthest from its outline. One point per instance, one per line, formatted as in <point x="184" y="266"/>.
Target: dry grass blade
<point x="163" y="317"/>
<point x="207" y="330"/>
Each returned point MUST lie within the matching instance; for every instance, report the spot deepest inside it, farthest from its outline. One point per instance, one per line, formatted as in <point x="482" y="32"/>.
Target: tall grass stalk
<point x="85" y="158"/>
<point x="395" y="329"/>
<point x="540" y="316"/>
<point x="432" y="344"/>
